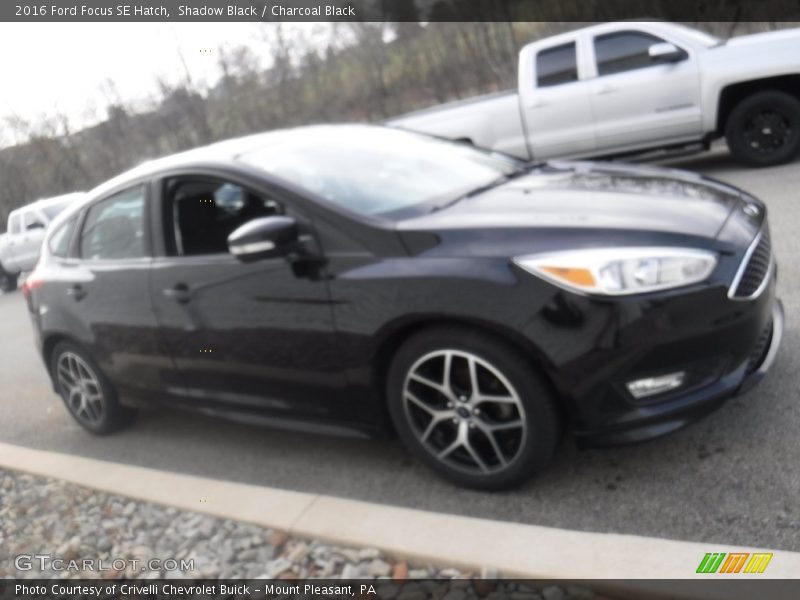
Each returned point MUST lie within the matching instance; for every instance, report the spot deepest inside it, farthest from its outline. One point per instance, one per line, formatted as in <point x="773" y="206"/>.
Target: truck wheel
<point x="8" y="281"/>
<point x="764" y="129"/>
<point x="472" y="408"/>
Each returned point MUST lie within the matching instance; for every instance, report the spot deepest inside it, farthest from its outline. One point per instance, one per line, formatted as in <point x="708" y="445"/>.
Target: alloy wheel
<point x="464" y="411"/>
<point x="81" y="388"/>
<point x="767" y="131"/>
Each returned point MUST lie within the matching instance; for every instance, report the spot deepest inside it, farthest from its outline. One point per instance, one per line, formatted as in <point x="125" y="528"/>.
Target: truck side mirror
<point x="666" y="52"/>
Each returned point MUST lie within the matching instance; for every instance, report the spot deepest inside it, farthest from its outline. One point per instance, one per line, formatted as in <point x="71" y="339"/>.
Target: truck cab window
<point x="31" y="220"/>
<point x="202" y="213"/>
<point x="51" y="211"/>
<point x="624" y="51"/>
<point x="557" y="65"/>
<point x="14" y="224"/>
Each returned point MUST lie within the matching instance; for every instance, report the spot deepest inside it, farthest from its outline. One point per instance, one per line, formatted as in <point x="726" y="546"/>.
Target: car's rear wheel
<point x="764" y="129"/>
<point x="472" y="408"/>
<point x="88" y="395"/>
<point x="8" y="281"/>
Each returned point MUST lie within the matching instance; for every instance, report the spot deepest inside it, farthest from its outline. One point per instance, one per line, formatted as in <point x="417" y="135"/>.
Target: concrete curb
<point x="516" y="550"/>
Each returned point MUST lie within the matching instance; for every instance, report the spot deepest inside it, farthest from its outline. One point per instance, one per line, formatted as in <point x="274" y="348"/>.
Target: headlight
<point x="619" y="271"/>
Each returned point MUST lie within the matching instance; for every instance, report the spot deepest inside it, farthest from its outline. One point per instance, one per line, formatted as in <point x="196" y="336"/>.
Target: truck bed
<point x="488" y="121"/>
<point x="464" y="102"/>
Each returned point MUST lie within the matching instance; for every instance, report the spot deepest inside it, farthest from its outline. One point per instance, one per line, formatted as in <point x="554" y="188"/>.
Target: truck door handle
<point x="76" y="292"/>
<point x="180" y="293"/>
<point x="606" y="89"/>
<point x="538" y="104"/>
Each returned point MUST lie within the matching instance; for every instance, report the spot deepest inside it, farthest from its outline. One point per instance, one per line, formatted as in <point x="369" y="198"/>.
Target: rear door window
<point x="114" y="227"/>
<point x="556" y="66"/>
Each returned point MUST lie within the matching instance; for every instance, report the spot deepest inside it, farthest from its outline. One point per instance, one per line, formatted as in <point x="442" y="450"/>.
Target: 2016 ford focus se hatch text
<point x="358" y="278"/>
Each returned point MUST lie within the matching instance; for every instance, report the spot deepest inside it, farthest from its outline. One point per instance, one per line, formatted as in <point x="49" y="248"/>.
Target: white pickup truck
<point x="626" y="88"/>
<point x="20" y="245"/>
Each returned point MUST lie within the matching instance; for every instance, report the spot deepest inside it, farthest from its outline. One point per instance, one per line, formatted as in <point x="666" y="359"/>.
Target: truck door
<point x="12" y="239"/>
<point x="555" y="102"/>
<point x="643" y="95"/>
<point x="26" y="251"/>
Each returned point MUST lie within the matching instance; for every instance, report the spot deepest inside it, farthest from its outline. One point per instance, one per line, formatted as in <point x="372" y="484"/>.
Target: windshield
<point x="378" y="170"/>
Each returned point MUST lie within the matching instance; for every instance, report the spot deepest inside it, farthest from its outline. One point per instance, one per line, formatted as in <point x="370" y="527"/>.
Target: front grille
<point x="756" y="269"/>
<point x="760" y="349"/>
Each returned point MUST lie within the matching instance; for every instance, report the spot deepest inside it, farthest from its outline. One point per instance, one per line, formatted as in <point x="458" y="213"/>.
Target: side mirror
<point x="266" y="237"/>
<point x="35" y="225"/>
<point x="666" y="52"/>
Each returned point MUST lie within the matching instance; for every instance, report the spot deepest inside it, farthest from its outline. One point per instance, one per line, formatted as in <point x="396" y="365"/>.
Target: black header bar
<point x="397" y="10"/>
<point x="370" y="589"/>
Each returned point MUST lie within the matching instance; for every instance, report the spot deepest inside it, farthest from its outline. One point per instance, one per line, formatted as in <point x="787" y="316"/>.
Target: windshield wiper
<point x="482" y="188"/>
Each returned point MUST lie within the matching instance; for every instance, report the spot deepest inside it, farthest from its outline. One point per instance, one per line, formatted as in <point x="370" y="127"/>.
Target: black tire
<point x="112" y="416"/>
<point x="8" y="281"/>
<point x="529" y="450"/>
<point x="763" y="130"/>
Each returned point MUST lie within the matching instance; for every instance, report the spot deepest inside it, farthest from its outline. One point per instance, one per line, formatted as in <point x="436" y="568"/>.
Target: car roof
<point x="656" y="26"/>
<point x="223" y="151"/>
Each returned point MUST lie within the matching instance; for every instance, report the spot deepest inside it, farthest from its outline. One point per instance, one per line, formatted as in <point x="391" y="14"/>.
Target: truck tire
<point x="8" y="281"/>
<point x="764" y="129"/>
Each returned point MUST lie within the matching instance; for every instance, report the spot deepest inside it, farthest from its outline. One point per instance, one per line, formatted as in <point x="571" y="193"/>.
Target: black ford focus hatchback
<point x="358" y="278"/>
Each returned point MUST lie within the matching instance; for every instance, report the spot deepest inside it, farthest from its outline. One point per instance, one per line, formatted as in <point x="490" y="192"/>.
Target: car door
<point x="253" y="336"/>
<point x="555" y="103"/>
<point x="103" y="292"/>
<point x="641" y="100"/>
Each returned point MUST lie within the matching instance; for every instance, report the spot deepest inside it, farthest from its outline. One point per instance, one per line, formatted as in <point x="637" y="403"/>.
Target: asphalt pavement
<point x="731" y="478"/>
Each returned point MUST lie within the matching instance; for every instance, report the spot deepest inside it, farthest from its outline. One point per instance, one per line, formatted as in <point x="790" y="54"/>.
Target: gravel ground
<point x="41" y="516"/>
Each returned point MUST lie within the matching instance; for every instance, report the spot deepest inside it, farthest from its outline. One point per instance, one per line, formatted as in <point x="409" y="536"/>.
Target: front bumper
<point x="760" y="369"/>
<point x="668" y="416"/>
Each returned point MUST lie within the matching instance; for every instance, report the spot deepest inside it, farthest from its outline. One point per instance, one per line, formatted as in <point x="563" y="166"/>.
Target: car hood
<point x="599" y="196"/>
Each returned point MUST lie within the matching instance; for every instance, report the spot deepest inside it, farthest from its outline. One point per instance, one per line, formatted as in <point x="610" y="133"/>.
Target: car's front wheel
<point x="472" y="408"/>
<point x="88" y="395"/>
<point x="764" y="129"/>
